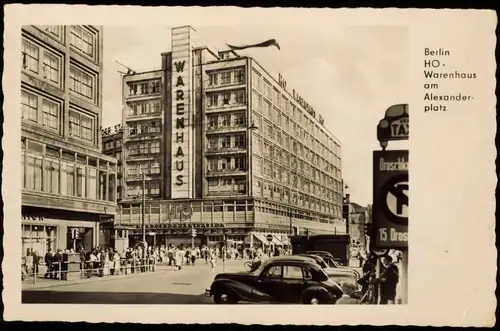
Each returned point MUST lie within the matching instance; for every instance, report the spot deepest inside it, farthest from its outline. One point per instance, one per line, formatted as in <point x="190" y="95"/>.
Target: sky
<point x="349" y="74"/>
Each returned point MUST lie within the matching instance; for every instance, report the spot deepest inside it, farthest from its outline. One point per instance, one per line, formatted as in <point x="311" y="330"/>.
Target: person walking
<point x="179" y="257"/>
<point x="193" y="256"/>
<point x="48" y="263"/>
<point x="389" y="279"/>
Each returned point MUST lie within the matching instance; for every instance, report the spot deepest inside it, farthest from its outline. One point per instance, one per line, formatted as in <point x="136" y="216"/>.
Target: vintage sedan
<point x="285" y="279"/>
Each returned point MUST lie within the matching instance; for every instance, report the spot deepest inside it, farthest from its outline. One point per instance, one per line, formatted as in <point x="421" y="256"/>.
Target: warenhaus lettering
<point x="179" y="122"/>
<point x="400" y="165"/>
<point x="449" y="75"/>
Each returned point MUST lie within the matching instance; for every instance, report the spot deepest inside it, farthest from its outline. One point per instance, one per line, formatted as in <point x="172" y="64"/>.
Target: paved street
<point x="186" y="286"/>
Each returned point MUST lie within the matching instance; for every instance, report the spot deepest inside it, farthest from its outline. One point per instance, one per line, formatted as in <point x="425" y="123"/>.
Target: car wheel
<point x="223" y="298"/>
<point x="311" y="299"/>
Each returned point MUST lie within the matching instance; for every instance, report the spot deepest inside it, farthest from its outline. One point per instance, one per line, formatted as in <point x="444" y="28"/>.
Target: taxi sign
<point x="395" y="125"/>
<point x="390" y="198"/>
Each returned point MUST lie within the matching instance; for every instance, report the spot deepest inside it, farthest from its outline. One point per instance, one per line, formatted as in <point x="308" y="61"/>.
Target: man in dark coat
<point x="56" y="263"/>
<point x="48" y="262"/>
<point x="389" y="279"/>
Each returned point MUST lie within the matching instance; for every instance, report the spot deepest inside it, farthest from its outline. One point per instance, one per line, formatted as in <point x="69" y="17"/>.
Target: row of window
<point x="112" y="144"/>
<point x="54" y="175"/>
<point x="145" y="127"/>
<point x="145" y="88"/>
<point x="135" y="190"/>
<point x="82" y="38"/>
<point x="286" y="142"/>
<point x="279" y="131"/>
<point x="46" y="65"/>
<point x="144" y="108"/>
<point x="41" y="62"/>
<point x="264" y="88"/>
<point x="276" y="192"/>
<point x="325" y="190"/>
<point x="235" y="163"/>
<point x="226" y="186"/>
<point x="143" y="148"/>
<point x="215" y="122"/>
<point x="280" y="209"/>
<point x="236" y="141"/>
<point x="290" y="160"/>
<point x="45" y="112"/>
<point x="139" y="168"/>
<point x="227" y="77"/>
<point x="235" y="98"/>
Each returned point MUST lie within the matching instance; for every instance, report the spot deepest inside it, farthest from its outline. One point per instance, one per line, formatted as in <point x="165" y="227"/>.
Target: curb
<point x="28" y="287"/>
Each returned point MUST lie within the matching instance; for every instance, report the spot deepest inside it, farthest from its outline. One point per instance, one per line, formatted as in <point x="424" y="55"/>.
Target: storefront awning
<point x="261" y="237"/>
<point x="276" y="241"/>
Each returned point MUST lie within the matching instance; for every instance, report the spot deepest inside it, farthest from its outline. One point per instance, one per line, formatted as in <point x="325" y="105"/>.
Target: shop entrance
<point x="78" y="238"/>
<point x="38" y="238"/>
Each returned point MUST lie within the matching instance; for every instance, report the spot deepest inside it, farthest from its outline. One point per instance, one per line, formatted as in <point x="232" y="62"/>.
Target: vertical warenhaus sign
<point x="182" y="135"/>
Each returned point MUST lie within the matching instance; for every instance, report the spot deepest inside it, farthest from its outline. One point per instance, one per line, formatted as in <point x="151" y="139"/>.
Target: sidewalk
<point x="42" y="283"/>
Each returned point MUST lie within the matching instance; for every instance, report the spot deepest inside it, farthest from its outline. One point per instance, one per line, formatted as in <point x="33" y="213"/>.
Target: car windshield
<point x="261" y="267"/>
<point x="331" y="263"/>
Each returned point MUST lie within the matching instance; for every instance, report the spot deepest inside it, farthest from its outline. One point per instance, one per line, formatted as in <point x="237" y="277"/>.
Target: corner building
<point x="68" y="185"/>
<point x="242" y="156"/>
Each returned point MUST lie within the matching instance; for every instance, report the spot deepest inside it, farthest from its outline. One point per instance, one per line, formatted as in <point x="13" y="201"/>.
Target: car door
<point x="269" y="282"/>
<point x="293" y="283"/>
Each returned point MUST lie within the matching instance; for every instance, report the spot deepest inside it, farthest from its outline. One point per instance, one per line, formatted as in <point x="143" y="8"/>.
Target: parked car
<point x="328" y="255"/>
<point x="329" y="267"/>
<point x="283" y="279"/>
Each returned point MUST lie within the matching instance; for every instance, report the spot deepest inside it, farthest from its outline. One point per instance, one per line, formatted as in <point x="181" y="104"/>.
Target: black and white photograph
<point x="207" y="164"/>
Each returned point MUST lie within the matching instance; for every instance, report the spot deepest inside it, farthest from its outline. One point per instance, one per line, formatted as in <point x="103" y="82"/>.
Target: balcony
<point x="143" y="117"/>
<point x="231" y="107"/>
<point x="227" y="172"/>
<point x="142" y="157"/>
<point x="226" y="129"/>
<point x="141" y="97"/>
<point x="138" y="177"/>
<point x="225" y="87"/>
<point x="226" y="151"/>
<point x="144" y="136"/>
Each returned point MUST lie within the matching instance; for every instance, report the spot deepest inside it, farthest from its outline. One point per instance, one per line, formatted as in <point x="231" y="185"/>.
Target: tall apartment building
<point x="68" y="185"/>
<point x="242" y="156"/>
<point x="143" y="134"/>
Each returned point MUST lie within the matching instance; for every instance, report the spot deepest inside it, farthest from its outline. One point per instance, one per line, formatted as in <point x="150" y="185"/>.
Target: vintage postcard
<point x="173" y="160"/>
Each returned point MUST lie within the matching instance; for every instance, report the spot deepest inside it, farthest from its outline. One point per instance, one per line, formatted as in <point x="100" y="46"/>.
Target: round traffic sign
<point x="394" y="196"/>
<point x="269" y="237"/>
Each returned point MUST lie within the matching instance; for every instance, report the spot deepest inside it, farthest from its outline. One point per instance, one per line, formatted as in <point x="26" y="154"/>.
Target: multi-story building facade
<point x="143" y="134"/>
<point x="112" y="140"/>
<point x="242" y="155"/>
<point x="68" y="185"/>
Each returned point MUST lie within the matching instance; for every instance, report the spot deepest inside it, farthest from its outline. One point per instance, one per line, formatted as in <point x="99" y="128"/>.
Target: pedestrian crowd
<point x="101" y="261"/>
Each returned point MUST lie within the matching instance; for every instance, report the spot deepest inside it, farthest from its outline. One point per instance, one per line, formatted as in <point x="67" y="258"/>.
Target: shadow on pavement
<point x="54" y="297"/>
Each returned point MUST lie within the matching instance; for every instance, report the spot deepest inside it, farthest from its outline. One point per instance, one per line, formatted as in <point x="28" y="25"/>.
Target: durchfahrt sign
<point x="390" y="198"/>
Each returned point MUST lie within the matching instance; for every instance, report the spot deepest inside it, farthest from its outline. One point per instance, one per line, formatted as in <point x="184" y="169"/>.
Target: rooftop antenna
<point x="129" y="71"/>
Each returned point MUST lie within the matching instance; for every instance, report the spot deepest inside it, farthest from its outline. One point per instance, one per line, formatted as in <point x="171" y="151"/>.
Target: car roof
<point x="319" y="252"/>
<point x="290" y="258"/>
<point x="313" y="256"/>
